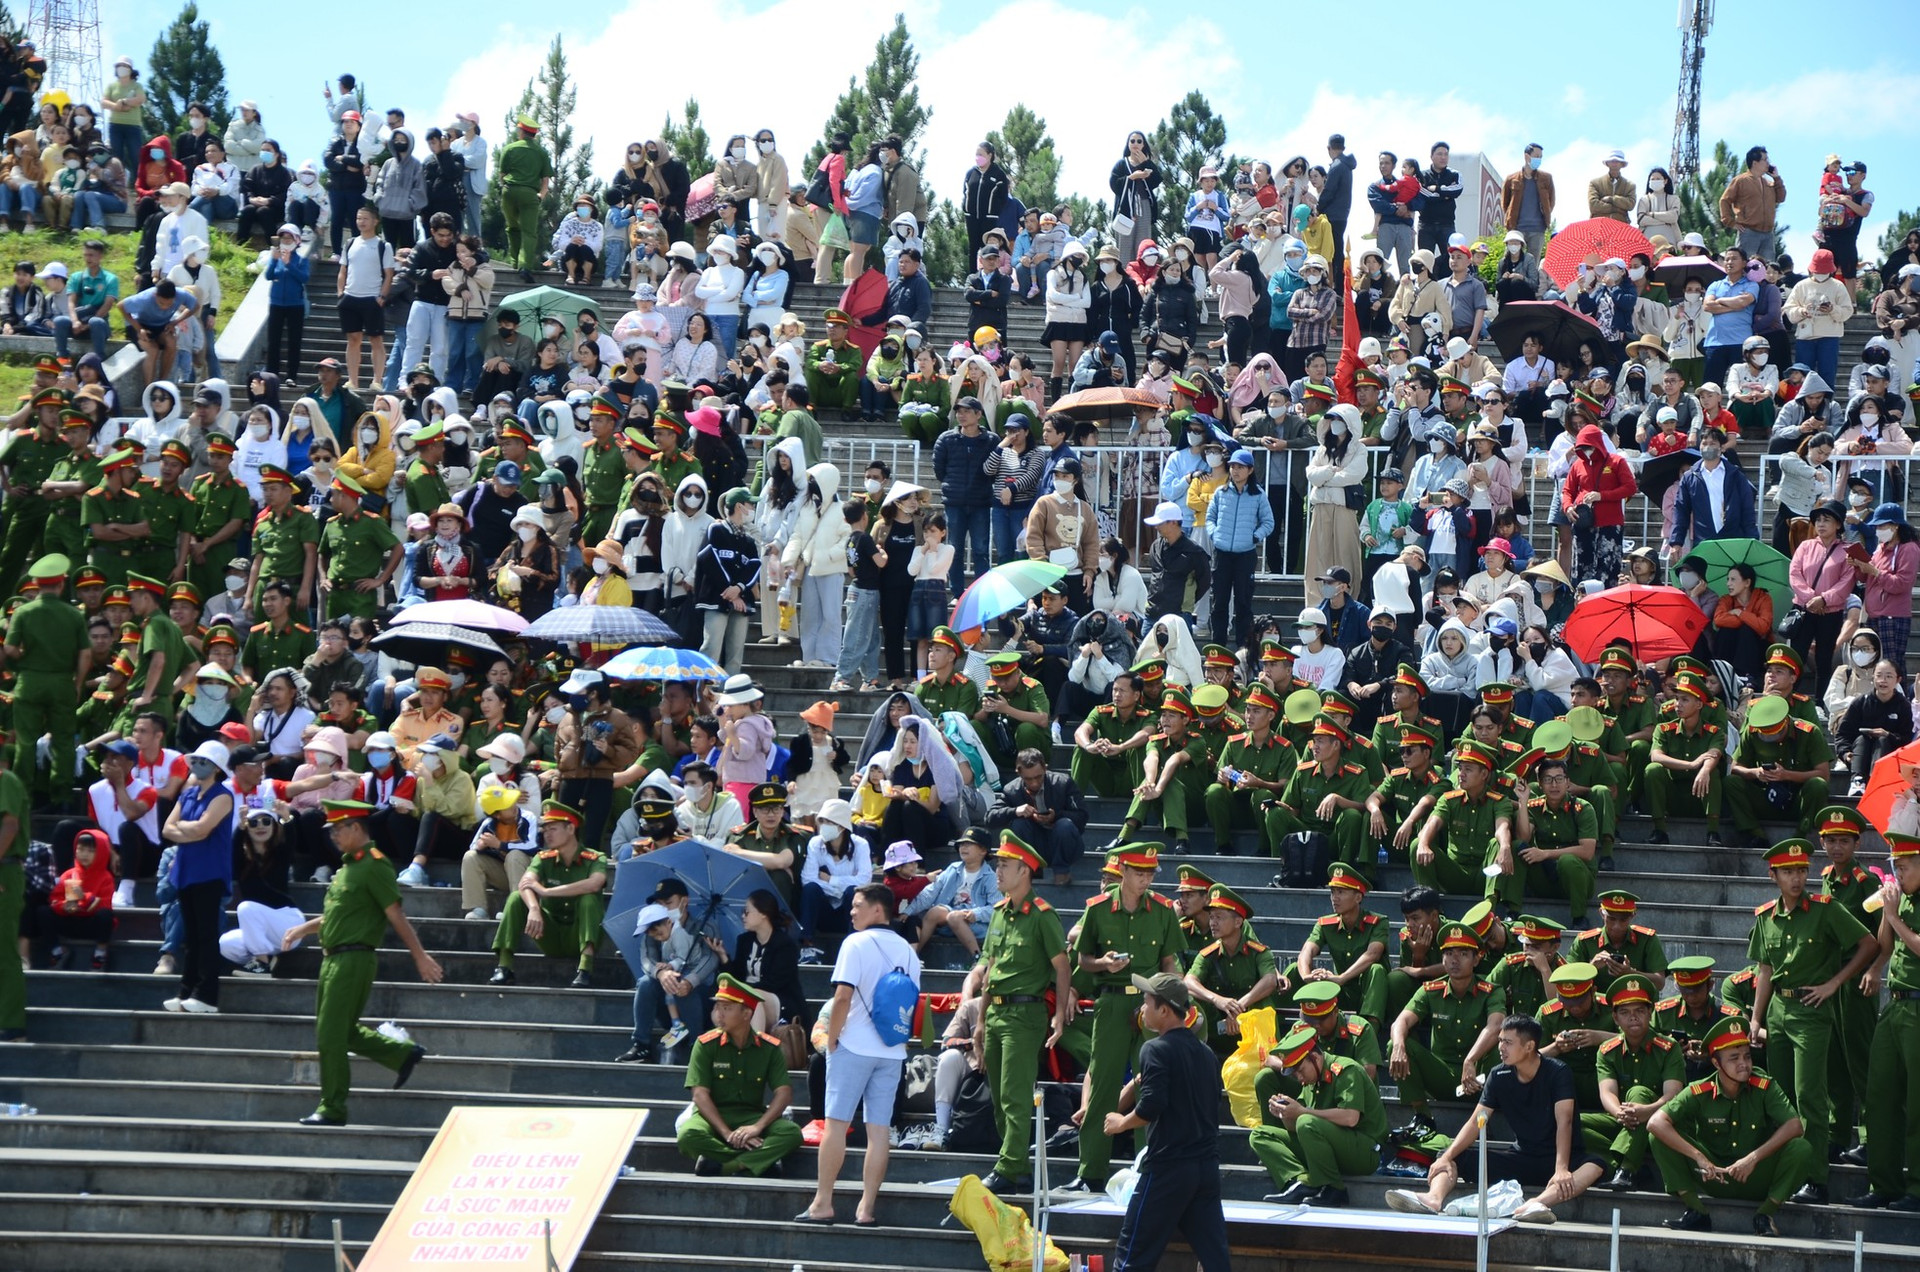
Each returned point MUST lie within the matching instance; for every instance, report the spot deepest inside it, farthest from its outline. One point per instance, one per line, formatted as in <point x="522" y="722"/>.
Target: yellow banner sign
<point x="493" y="1181"/>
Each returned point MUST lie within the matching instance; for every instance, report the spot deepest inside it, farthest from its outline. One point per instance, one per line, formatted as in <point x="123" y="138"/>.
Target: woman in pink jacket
<point x="1822" y="579"/>
<point x="1888" y="575"/>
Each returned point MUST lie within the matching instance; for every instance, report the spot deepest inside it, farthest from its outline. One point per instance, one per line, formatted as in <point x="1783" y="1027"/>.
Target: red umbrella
<point x="1887" y="783"/>
<point x="1657" y="622"/>
<point x="1597" y="236"/>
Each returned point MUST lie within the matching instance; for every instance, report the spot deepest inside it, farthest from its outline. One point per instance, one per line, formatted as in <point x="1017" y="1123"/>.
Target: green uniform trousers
<point x="1367" y="995"/>
<point x="68" y="537"/>
<point x="1172" y="809"/>
<point x="572" y="939"/>
<point x="21" y="524"/>
<point x="43" y="703"/>
<point x="1115" y="1053"/>
<point x="1024" y="736"/>
<point x="345" y="981"/>
<point x="520" y="205"/>
<point x="1230" y="810"/>
<point x="13" y="981"/>
<point x="1428" y="1077"/>
<point x="1015" y="1034"/>
<point x="1315" y="1150"/>
<point x="694" y="1136"/>
<point x="1799" y="1039"/>
<point x="1893" y="1093"/>
<point x="1401" y="987"/>
<point x="1624" y="1146"/>
<point x="344" y="600"/>
<point x="1566" y="876"/>
<point x="1669" y="792"/>
<point x="1455" y="877"/>
<point x="1773" y="1180"/>
<point x="1108" y="776"/>
<point x="1632" y="774"/>
<point x="1747" y="801"/>
<point x="1848" y="1061"/>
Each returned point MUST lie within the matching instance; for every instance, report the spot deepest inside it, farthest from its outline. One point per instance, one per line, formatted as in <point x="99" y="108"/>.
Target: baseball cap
<point x="1165" y="511"/>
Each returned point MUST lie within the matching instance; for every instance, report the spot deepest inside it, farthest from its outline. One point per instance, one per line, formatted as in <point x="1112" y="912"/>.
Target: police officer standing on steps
<point x="14" y="825"/>
<point x="361" y="900"/>
<point x="47" y="649"/>
<point x="1177" y="1097"/>
<point x="1893" y="1151"/>
<point x="1025" y="954"/>
<point x="1128" y="927"/>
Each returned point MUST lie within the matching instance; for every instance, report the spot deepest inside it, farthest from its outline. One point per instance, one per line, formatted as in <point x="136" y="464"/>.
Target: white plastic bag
<point x="395" y="1030"/>
<point x="1502" y="1200"/>
<point x="1121" y="1183"/>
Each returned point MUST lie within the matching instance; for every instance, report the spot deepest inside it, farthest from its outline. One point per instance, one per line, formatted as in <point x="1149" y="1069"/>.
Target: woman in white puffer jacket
<point x="818" y="546"/>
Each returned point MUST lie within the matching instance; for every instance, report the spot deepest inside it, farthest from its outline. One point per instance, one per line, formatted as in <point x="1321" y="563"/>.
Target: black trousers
<point x="397" y="231"/>
<point x="440" y="839"/>
<point x="1813" y="639"/>
<point x="285" y="325"/>
<point x="893" y="630"/>
<point x="1174" y="1197"/>
<point x="201" y="965"/>
<point x="593" y="796"/>
<point x="266" y="222"/>
<point x="1233" y="597"/>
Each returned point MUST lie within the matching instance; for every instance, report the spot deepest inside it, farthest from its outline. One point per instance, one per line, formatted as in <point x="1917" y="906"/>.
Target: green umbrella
<point x="537" y="303"/>
<point x="1765" y="561"/>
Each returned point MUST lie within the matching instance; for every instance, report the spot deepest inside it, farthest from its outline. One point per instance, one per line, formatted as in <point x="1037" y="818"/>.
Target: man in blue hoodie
<point x="1239" y="519"/>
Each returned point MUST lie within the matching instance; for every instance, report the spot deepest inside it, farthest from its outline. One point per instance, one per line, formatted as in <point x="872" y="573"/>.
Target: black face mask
<point x="587" y="328"/>
<point x="1538" y="649"/>
<point x="419" y="391"/>
<point x="1383" y="634"/>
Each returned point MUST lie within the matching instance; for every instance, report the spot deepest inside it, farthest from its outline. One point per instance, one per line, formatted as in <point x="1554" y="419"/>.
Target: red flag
<point x="1349" y="342"/>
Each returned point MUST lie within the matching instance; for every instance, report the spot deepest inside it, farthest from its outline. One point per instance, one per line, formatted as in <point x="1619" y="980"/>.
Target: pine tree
<point x="689" y="140"/>
<point x="1192" y="137"/>
<point x="884" y="102"/>
<point x="1896" y="235"/>
<point x="548" y="101"/>
<point x="184" y="68"/>
<point x="1026" y="152"/>
<point x="945" y="261"/>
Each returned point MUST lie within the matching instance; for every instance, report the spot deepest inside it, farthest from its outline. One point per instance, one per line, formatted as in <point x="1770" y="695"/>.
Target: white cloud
<point x="1574" y="98"/>
<point x="1822" y="103"/>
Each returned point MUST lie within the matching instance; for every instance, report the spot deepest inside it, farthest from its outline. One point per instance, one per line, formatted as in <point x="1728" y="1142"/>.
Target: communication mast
<point x="67" y="35"/>
<point x="1696" y="16"/>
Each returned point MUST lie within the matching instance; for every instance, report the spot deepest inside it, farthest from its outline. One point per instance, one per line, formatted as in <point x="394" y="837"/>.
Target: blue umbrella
<point x="718" y="884"/>
<point x="657" y="662"/>
<point x="601" y="625"/>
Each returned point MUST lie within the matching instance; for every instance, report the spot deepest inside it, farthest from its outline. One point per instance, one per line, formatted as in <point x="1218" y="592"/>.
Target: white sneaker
<point x="674" y="1036"/>
<point x="323" y="875"/>
<point x="478" y="912"/>
<point x="414" y="876"/>
<point x="935" y="1142"/>
<point x="173" y="1004"/>
<point x="166" y="966"/>
<point x="1057" y="739"/>
<point x="1408" y="1202"/>
<point x="123" y="895"/>
<point x="198" y="1008"/>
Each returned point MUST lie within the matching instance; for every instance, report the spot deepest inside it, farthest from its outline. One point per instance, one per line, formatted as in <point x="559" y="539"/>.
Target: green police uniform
<point x="1526" y="992"/>
<point x="1344" y="944"/>
<point x="1344" y="1034"/>
<point x="602" y="472"/>
<point x="1231" y="974"/>
<point x="65" y="532"/>
<point x="28" y="456"/>
<point x="50" y="633"/>
<point x="1641" y="951"/>
<point x="1469" y="826"/>
<point x="280" y="545"/>
<point x="14" y="802"/>
<point x="1668" y="791"/>
<point x="739" y="1080"/>
<point x="352" y="925"/>
<point x="1738" y="992"/>
<point x="1022" y="693"/>
<point x="1247" y="808"/>
<point x="1456" y="1018"/>
<point x="1672" y="1017"/>
<point x="161" y="640"/>
<point x="1187" y="788"/>
<point x="1151" y="934"/>
<point x="1558" y="1017"/>
<point x="1317" y="1150"/>
<point x="426" y="488"/>
<point x="1727" y="1128"/>
<point x="1893" y="1073"/>
<point x="791" y="837"/>
<point x="1801" y="747"/>
<point x="958" y="694"/>
<point x="570" y="925"/>
<point x="1569" y="875"/>
<point x="1849" y="1057"/>
<point x="169" y="511"/>
<point x="1631" y="714"/>
<point x="1111" y="777"/>
<point x="268" y="647"/>
<point x="675" y="469"/>
<point x="1640" y="1075"/>
<point x="1400" y="794"/>
<point x="217" y="501"/>
<point x="1299" y="807"/>
<point x="530" y="469"/>
<point x="1402" y="982"/>
<point x="520" y="166"/>
<point x="1022" y="942"/>
<point x="833" y="375"/>
<point x="101" y="506"/>
<point x="1805" y="946"/>
<point x="356" y="547"/>
<point x="1587" y="768"/>
<point x="1386" y="731"/>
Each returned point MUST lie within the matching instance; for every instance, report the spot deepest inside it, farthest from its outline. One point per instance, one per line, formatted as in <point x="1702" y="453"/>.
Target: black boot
<point x="1690" y="1221"/>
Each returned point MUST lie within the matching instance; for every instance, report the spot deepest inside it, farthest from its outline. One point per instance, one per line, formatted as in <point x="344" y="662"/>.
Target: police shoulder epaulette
<point x="1484" y="986"/>
<point x="301" y="627"/>
<point x="1002" y="901"/>
<point x="1096" y="900"/>
<point x="1437" y="986"/>
<point x="927" y="679"/>
<point x="1643" y="930"/>
<point x="741" y="829"/>
<point x="1400" y="772"/>
<point x="1614" y="1043"/>
<point x="1548" y="1009"/>
<point x="1351" y="769"/>
<point x="1040" y="903"/>
<point x="1158" y="737"/>
<point x="1802" y="725"/>
<point x="590" y="854"/>
<point x="1253" y="947"/>
<point x="1819" y="898"/>
<point x="1161" y="900"/>
<point x="1590" y="934"/>
<point x="1514" y="960"/>
<point x="1210" y="950"/>
<point x="1355" y="1025"/>
<point x="259" y="627"/>
<point x="1369" y="918"/>
<point x="1759" y="1082"/>
<point x="1306" y="765"/>
<point x="1665" y="1003"/>
<point x="1763" y="907"/>
<point x="1703" y="1087"/>
<point x="1540" y="802"/>
<point x="549" y="854"/>
<point x="1456" y="793"/>
<point x="1239" y="737"/>
<point x="769" y="1039"/>
<point x="1661" y="1041"/>
<point x="712" y="1034"/>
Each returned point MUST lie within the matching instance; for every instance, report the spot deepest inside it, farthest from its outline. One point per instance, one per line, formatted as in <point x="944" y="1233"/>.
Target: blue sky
<point x="1579" y="96"/>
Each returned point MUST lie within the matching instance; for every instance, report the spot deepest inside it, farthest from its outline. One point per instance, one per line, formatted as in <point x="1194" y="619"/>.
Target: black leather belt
<point x="1008" y="1000"/>
<point x="1904" y="995"/>
<point x="1119" y="989"/>
<point x="346" y="949"/>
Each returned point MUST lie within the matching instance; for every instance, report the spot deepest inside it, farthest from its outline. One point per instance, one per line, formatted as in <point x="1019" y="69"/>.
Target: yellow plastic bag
<point x="1238" y="1070"/>
<point x="1005" y="1233"/>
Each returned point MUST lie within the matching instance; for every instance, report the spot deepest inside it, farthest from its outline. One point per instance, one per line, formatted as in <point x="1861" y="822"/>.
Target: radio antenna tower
<point x="1696" y="16"/>
<point x="67" y="34"/>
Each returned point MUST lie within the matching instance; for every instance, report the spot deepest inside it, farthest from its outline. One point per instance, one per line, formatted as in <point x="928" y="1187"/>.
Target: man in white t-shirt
<point x="156" y="764"/>
<point x="861" y="1070"/>
<point x="125" y="808"/>
<point x="367" y="263"/>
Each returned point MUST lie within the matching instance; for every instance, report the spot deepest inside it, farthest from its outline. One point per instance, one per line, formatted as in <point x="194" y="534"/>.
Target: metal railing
<point x="852" y="454"/>
<point x="1893" y="485"/>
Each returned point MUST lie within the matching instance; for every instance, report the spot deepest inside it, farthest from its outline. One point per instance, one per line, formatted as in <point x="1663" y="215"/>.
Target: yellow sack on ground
<point x="1238" y="1070"/>
<point x="1004" y="1232"/>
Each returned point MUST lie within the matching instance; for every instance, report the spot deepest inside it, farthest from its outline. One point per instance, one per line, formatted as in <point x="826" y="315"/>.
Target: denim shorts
<point x="926" y="608"/>
<point x="863" y="227"/>
<point x="861" y="1081"/>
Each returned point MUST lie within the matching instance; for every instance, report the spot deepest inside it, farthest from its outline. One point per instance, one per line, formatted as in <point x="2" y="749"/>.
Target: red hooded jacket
<point x="1143" y="274"/>
<point x="1595" y="468"/>
<point x="151" y="174"/>
<point x="95" y="882"/>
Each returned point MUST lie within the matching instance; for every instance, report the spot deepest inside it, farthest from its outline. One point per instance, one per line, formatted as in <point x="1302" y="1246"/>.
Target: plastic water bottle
<point x="18" y="1110"/>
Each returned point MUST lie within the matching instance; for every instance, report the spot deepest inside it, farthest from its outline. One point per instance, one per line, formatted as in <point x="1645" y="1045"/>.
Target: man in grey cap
<point x="960" y="463"/>
<point x="1176" y="1097"/>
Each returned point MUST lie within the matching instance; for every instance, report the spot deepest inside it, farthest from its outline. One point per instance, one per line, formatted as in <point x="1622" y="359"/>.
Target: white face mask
<point x="369" y="436"/>
<point x="308" y="178"/>
<point x="1105" y="563"/>
<point x="213" y="691"/>
<point x="1216" y="461"/>
<point x="73" y="165"/>
<point x="1861" y="657"/>
<point x="1885" y="534"/>
<point x="1657" y="184"/>
<point x="1688" y="579"/>
<point x="556" y="714"/>
<point x="235" y="582"/>
<point x="600" y="565"/>
<point x="1312" y="276"/>
<point x="739" y="154"/>
<point x="1859" y="500"/>
<point x="694" y="791"/>
<point x="527" y="533"/>
<point x="1869" y="419"/>
<point x="1437" y="446"/>
<point x="1063" y="486"/>
<point x="1637" y="273"/>
<point x="1758" y="357"/>
<point x="766" y="147"/>
<point x="1307" y="635"/>
<point x="259" y="431"/>
<point x="498" y="766"/>
<point x="1107" y="267"/>
<point x="1181" y="254"/>
<point x="873" y="487"/>
<point x="458" y="436"/>
<point x="320" y="759"/>
<point x="758" y="342"/>
<point x="1336" y="428"/>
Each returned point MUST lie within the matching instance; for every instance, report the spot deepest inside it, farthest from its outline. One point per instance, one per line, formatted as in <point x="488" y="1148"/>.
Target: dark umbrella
<point x="718" y="884"/>
<point x="1663" y="470"/>
<point x="1560" y="329"/>
<point x="1676" y="270"/>
<point x="426" y="644"/>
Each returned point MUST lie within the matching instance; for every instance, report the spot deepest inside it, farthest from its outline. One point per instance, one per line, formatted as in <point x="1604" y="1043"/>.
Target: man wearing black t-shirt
<point x="1534" y="1093"/>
